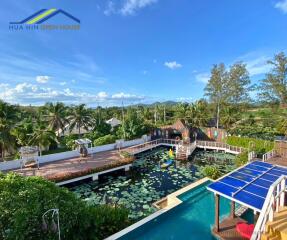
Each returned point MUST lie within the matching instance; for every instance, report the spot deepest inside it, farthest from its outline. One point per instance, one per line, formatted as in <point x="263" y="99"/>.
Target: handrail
<point x="275" y="196"/>
<point x="269" y="155"/>
<point x="220" y="145"/>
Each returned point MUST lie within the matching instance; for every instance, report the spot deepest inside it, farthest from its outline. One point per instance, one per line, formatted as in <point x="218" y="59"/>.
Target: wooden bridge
<point x="183" y="150"/>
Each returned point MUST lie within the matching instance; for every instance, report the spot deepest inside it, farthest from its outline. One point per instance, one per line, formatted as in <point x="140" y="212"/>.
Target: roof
<point x="113" y="122"/>
<point x="83" y="141"/>
<point x="249" y="184"/>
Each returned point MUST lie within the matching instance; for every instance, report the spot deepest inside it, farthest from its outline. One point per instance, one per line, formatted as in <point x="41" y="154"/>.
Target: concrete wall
<point x="70" y="154"/>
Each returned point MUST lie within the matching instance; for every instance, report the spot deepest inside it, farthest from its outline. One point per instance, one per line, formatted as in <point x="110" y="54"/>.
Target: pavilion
<point x="247" y="186"/>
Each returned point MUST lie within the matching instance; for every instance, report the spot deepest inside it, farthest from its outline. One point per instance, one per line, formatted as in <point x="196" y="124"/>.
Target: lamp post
<point x="54" y="226"/>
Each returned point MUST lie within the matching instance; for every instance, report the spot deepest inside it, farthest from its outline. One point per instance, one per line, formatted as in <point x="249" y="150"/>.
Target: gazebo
<point x="83" y="145"/>
<point x="29" y="154"/>
<point x="247" y="186"/>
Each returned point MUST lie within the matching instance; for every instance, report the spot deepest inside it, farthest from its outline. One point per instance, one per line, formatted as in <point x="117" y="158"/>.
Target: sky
<point x="133" y="51"/>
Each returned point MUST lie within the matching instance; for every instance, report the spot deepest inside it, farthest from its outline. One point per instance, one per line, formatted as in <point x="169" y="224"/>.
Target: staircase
<point x="277" y="229"/>
<point x="272" y="221"/>
<point x="184" y="150"/>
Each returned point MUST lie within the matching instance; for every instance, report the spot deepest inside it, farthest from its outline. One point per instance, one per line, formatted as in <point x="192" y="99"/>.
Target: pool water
<point x="193" y="219"/>
<point x="147" y="182"/>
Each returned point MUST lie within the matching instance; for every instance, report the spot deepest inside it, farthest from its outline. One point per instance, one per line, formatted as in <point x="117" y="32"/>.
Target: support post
<point x="217" y="209"/>
<point x="232" y="209"/>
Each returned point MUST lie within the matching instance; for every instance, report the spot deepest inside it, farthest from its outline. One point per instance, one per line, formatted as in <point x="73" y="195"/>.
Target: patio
<point x="73" y="165"/>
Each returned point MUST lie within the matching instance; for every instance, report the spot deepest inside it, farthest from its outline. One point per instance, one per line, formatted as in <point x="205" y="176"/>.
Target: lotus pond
<point x="147" y="182"/>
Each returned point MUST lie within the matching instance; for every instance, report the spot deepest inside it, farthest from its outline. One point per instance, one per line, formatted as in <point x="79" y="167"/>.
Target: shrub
<point x="25" y="199"/>
<point x="211" y="172"/>
<point x="105" y="140"/>
<point x="241" y="159"/>
<point x="258" y="145"/>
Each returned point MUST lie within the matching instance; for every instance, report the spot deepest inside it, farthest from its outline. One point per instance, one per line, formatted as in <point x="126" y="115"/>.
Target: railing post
<point x="282" y="195"/>
<point x="277" y="197"/>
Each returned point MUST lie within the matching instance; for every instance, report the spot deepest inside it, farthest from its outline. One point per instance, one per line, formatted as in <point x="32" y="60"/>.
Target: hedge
<point x="25" y="199"/>
<point x="258" y="145"/>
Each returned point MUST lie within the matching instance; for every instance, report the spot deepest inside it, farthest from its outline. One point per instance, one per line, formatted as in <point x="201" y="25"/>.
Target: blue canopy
<point x="249" y="184"/>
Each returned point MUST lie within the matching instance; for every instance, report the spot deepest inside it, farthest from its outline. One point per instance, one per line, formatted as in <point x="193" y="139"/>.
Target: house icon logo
<point x="37" y="21"/>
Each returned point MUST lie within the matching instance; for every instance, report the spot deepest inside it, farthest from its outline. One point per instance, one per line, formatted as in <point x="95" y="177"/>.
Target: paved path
<point x="74" y="165"/>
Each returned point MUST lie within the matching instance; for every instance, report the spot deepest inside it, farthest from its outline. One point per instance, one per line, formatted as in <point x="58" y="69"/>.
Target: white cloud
<point x="282" y="5"/>
<point x="202" y="77"/>
<point x="110" y="9"/>
<point x="126" y="7"/>
<point x="26" y="93"/>
<point x="258" y="66"/>
<point x="256" y="63"/>
<point x="126" y="96"/>
<point x="172" y="65"/>
<point x="63" y="83"/>
<point x="131" y="6"/>
<point x="42" y="79"/>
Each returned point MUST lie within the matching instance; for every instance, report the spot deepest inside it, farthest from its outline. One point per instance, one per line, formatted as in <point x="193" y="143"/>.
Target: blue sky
<point x="134" y="50"/>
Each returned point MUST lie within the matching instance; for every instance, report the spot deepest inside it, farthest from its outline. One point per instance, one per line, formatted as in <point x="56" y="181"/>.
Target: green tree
<point x="8" y="118"/>
<point x="24" y="200"/>
<point x="217" y="88"/>
<point x="229" y="116"/>
<point x="198" y="115"/>
<point x="42" y="136"/>
<point x="56" y="116"/>
<point x="80" y="117"/>
<point x="274" y="86"/>
<point x="238" y="83"/>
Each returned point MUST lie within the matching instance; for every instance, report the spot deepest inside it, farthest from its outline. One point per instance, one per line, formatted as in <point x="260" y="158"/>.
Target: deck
<point x="56" y="169"/>
<point x="282" y="161"/>
<point x="228" y="229"/>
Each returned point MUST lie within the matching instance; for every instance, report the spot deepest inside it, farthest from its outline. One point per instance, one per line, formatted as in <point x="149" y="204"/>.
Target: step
<point x="270" y="236"/>
<point x="277" y="229"/>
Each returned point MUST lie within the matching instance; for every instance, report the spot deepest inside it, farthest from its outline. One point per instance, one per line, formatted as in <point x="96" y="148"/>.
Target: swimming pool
<point x="193" y="219"/>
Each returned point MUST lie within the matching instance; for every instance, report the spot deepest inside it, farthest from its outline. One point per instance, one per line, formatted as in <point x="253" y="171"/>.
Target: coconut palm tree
<point x="198" y="114"/>
<point x="229" y="117"/>
<point x="42" y="136"/>
<point x="8" y="118"/>
<point x="80" y="117"/>
<point x="56" y="116"/>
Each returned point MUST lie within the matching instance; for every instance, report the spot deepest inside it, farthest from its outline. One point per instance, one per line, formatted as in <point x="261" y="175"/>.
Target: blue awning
<point x="249" y="184"/>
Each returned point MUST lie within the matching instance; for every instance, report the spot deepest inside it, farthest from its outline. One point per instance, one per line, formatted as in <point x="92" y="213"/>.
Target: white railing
<point x="274" y="200"/>
<point x="220" y="146"/>
<point x="269" y="155"/>
<point x="251" y="155"/>
<point x="152" y="144"/>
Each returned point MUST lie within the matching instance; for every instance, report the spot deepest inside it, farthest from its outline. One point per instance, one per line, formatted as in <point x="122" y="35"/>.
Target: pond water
<point x="147" y="182"/>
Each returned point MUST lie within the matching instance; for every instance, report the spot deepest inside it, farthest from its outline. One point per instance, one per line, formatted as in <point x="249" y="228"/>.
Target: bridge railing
<point x="220" y="146"/>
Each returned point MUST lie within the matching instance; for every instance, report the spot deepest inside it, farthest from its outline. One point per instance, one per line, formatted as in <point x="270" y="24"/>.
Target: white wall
<point x="70" y="154"/>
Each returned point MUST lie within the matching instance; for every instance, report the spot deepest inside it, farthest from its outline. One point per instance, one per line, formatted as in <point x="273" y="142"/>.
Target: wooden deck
<point x="74" y="165"/>
<point x="228" y="229"/>
<point x="278" y="161"/>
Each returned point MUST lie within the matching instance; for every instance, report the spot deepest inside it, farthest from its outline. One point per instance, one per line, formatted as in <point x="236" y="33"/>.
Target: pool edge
<point x="172" y="201"/>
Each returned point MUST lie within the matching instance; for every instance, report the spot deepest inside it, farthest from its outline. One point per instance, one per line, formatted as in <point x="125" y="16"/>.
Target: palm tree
<point x="56" y="116"/>
<point x="42" y="136"/>
<point x="80" y="117"/>
<point x="198" y="114"/>
<point x="229" y="117"/>
<point x="8" y="118"/>
<point x="23" y="131"/>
